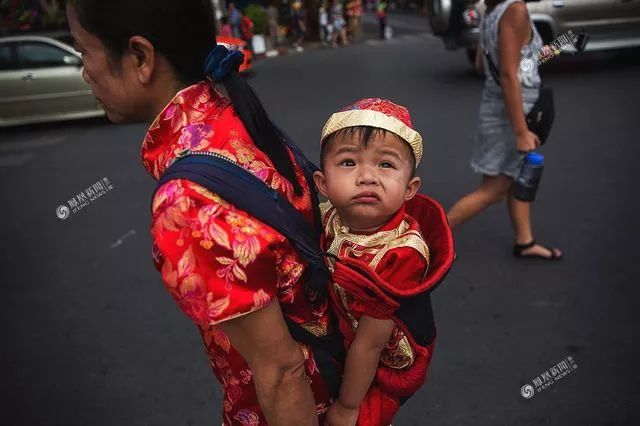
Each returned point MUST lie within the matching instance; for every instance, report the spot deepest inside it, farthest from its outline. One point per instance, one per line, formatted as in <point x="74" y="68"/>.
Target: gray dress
<point x="495" y="142"/>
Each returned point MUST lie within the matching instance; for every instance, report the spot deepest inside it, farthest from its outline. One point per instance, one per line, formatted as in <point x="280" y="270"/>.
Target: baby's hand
<point x="339" y="415"/>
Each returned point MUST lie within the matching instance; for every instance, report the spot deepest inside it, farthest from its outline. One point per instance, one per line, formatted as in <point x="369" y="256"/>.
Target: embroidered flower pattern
<point x="196" y="137"/>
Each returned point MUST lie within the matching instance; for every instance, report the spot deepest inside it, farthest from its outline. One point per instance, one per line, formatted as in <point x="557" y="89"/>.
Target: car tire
<point x="440" y="12"/>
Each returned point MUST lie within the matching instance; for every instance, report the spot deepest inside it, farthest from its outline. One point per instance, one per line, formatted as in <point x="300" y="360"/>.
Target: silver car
<point x="610" y="24"/>
<point x="41" y="80"/>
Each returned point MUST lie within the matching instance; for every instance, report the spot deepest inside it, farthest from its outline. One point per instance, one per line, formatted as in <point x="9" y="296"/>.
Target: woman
<point x="338" y="23"/>
<point x="509" y="36"/>
<point x="234" y="277"/>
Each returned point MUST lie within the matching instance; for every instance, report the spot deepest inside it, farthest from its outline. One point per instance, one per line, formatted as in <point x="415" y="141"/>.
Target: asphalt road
<point x="90" y="337"/>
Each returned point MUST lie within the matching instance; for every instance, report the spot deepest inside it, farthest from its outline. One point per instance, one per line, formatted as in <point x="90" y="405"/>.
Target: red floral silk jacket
<point x="216" y="261"/>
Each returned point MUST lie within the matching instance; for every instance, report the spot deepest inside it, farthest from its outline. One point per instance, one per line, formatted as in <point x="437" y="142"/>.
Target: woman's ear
<point x="321" y="183"/>
<point x="412" y="188"/>
<point x="143" y="56"/>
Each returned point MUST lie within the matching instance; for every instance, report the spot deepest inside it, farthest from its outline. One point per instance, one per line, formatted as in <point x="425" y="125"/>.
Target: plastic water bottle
<point x="529" y="177"/>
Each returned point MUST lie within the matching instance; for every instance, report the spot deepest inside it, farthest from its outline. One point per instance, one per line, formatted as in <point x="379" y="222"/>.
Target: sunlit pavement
<point x="91" y="337"/>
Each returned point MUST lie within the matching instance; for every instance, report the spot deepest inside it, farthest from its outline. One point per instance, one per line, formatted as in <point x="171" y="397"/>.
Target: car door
<point x="10" y="83"/>
<point x="51" y="80"/>
<point x="628" y="27"/>
<point x="594" y="16"/>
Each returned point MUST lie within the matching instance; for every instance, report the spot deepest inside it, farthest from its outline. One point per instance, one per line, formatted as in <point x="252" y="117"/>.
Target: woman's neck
<point x="165" y="87"/>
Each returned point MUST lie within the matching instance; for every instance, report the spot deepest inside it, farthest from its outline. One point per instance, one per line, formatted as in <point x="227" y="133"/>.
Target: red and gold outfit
<point x="397" y="255"/>
<point x="216" y="261"/>
<point x="390" y="273"/>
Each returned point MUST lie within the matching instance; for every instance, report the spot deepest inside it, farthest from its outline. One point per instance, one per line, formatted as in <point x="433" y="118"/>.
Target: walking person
<point x="354" y="13"/>
<point x="272" y="22"/>
<point x="225" y="28"/>
<point x="240" y="281"/>
<point x="299" y="25"/>
<point x="338" y="23"/>
<point x="246" y="29"/>
<point x="235" y="20"/>
<point x="323" y="22"/>
<point x="508" y="36"/>
<point x="381" y="13"/>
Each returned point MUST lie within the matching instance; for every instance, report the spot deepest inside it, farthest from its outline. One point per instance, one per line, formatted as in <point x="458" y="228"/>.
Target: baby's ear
<point x="321" y="183"/>
<point x="412" y="188"/>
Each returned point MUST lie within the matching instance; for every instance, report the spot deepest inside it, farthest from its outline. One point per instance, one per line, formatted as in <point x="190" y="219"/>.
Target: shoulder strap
<point x="249" y="193"/>
<point x="495" y="73"/>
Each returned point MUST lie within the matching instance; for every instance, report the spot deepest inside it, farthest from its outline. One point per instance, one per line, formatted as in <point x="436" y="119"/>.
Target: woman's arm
<point x="360" y="368"/>
<point x="514" y="32"/>
<point x="277" y="363"/>
<point x="214" y="283"/>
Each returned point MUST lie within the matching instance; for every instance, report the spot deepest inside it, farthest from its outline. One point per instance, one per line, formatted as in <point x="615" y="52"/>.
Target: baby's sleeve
<point x="405" y="266"/>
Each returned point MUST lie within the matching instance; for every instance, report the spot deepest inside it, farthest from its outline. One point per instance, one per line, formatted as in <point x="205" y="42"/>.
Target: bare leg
<point x="492" y="190"/>
<point x="343" y="35"/>
<point x="520" y="214"/>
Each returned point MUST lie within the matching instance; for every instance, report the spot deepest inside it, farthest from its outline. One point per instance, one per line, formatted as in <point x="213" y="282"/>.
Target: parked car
<point x="232" y="43"/>
<point x="611" y="24"/>
<point x="41" y="80"/>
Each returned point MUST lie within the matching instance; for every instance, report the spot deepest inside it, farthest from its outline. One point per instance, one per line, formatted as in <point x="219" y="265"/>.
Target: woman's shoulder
<point x="511" y="11"/>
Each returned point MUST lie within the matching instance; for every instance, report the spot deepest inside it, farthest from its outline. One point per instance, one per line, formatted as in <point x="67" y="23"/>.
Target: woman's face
<point x="114" y="81"/>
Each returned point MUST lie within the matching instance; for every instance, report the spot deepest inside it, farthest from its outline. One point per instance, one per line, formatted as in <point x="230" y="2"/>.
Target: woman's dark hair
<point x="183" y="32"/>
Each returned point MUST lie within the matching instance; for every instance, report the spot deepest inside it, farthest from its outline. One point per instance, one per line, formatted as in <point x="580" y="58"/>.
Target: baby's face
<point x="367" y="184"/>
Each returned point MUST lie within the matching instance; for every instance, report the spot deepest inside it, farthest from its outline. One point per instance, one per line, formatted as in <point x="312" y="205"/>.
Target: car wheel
<point x="440" y="15"/>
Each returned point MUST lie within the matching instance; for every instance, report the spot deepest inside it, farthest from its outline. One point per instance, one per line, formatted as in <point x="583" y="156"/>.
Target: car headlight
<point x="471" y="17"/>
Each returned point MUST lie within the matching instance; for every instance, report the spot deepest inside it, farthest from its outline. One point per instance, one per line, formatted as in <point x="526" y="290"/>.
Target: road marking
<point x="124" y="237"/>
<point x="401" y="39"/>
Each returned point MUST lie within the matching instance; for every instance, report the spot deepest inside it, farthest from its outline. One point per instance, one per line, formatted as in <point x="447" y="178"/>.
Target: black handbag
<point x="540" y="117"/>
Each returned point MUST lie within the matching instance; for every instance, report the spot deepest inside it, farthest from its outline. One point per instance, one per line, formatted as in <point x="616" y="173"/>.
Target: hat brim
<point x="353" y="118"/>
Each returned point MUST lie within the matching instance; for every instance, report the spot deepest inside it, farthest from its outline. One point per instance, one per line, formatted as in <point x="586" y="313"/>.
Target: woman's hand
<point x="527" y="141"/>
<point x="339" y="415"/>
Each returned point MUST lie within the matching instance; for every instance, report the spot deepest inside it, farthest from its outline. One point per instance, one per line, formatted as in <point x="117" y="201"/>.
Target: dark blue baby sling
<point x="247" y="192"/>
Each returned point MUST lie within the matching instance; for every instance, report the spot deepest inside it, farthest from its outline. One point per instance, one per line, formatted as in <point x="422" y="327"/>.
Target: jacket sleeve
<point x="216" y="261"/>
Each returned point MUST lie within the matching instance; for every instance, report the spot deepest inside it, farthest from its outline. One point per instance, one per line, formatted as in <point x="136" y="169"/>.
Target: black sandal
<point x="519" y="248"/>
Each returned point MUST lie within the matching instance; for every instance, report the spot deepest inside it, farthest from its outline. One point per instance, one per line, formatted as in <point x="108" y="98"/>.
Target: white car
<point x="41" y="80"/>
<point x="610" y="24"/>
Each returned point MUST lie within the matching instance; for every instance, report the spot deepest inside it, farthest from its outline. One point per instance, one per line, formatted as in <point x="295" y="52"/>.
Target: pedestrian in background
<point x="298" y="24"/>
<point x="225" y="28"/>
<point x="323" y="22"/>
<point x="338" y="23"/>
<point x="246" y="28"/>
<point x="381" y="13"/>
<point x="272" y="22"/>
<point x="235" y="20"/>
<point x="354" y="13"/>
<point x="508" y="35"/>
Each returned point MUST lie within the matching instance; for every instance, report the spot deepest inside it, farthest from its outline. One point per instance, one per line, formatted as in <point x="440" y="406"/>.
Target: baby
<point x="369" y="155"/>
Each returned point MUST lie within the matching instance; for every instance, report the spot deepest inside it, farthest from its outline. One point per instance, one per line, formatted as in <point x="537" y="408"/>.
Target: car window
<point x="7" y="59"/>
<point x="38" y="55"/>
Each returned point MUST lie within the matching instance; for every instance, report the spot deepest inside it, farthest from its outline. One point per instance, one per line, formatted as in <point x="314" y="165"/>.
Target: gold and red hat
<point x="380" y="113"/>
